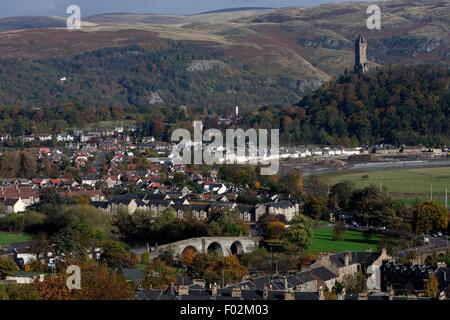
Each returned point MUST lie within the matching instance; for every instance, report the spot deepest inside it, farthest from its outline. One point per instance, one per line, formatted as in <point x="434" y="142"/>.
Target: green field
<point x="7" y="238"/>
<point x="411" y="184"/>
<point x="353" y="240"/>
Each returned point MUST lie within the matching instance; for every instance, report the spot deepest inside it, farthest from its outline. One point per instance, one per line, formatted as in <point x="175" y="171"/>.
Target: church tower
<point x="361" y="66"/>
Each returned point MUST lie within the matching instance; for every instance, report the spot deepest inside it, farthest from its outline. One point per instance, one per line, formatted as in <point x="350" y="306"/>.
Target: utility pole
<point x="446" y="198"/>
<point x="276" y="267"/>
<point x="223" y="278"/>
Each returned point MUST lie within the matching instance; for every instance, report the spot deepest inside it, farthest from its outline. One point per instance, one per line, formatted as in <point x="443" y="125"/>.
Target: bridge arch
<point x="237" y="248"/>
<point x="215" y="248"/>
<point x="189" y="249"/>
<point x="429" y="260"/>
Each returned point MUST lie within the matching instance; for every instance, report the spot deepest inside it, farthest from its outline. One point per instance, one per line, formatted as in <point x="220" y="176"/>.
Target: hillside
<point x="24" y="23"/>
<point x="395" y="105"/>
<point x="165" y="74"/>
<point x="251" y="57"/>
<point x="300" y="47"/>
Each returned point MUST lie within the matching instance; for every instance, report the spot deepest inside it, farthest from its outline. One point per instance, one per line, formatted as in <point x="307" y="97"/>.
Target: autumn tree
<point x="355" y="283"/>
<point x="158" y="275"/>
<point x="430" y="216"/>
<point x="275" y="229"/>
<point x="300" y="231"/>
<point x="7" y="266"/>
<point x="54" y="288"/>
<point x="116" y="256"/>
<point x="19" y="292"/>
<point x="339" y="230"/>
<point x="227" y="269"/>
<point x="258" y="260"/>
<point x="317" y="208"/>
<point x="342" y="191"/>
<point x="40" y="245"/>
<point x="432" y="287"/>
<point x="100" y="283"/>
<point x="188" y="256"/>
<point x="293" y="183"/>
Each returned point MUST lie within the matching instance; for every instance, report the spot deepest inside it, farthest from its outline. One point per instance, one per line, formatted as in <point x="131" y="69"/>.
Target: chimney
<point x="289" y="295"/>
<point x="347" y="258"/>
<point x="183" y="290"/>
<point x="391" y="294"/>
<point x="321" y="293"/>
<point x="362" y="296"/>
<point x="265" y="292"/>
<point x="236" y="292"/>
<point x="215" y="287"/>
<point x="341" y="296"/>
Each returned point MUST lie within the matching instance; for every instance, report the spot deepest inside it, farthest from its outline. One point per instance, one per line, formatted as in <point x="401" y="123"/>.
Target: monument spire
<point x="361" y="66"/>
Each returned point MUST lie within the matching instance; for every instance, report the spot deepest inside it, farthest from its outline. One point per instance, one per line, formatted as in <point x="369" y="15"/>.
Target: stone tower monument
<point x="361" y="66"/>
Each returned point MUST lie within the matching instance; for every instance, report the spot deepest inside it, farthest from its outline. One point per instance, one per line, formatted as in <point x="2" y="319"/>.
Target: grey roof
<point x="245" y="207"/>
<point x="184" y="280"/>
<point x="323" y="273"/>
<point x="251" y="295"/>
<point x="261" y="282"/>
<point x="100" y="204"/>
<point x="10" y="201"/>
<point x="135" y="275"/>
<point x="152" y="294"/>
<point x="361" y="257"/>
<point x="306" y="295"/>
<point x="305" y="276"/>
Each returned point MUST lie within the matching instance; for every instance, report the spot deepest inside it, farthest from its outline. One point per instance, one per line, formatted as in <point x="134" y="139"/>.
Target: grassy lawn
<point x="411" y="184"/>
<point x="7" y="238"/>
<point x="353" y="240"/>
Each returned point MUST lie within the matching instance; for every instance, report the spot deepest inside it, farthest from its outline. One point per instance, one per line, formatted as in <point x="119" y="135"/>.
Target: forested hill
<point x="397" y="105"/>
<point x="402" y="105"/>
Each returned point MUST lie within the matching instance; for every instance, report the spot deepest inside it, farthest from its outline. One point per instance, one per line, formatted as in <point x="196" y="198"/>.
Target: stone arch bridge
<point x="221" y="246"/>
<point x="424" y="254"/>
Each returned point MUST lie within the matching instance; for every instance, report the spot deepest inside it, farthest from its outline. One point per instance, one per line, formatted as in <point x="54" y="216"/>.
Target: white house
<point x="218" y="188"/>
<point x="89" y="181"/>
<point x="64" y="137"/>
<point x="14" y="205"/>
<point x="45" y="137"/>
<point x="25" y="277"/>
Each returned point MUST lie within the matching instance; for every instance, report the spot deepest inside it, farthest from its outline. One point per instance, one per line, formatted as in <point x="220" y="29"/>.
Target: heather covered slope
<point x="302" y="47"/>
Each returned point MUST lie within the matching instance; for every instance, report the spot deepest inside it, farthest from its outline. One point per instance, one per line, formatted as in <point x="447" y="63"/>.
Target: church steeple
<point x="361" y="66"/>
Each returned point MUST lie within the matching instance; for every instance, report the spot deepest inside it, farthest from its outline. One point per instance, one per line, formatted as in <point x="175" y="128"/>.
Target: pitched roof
<point x="305" y="276"/>
<point x="323" y="273"/>
<point x="152" y="294"/>
<point x="135" y="275"/>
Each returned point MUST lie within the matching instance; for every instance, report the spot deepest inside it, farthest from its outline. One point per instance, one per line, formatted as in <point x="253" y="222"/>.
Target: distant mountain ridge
<point x="292" y="51"/>
<point x="31" y="22"/>
<point x="235" y="10"/>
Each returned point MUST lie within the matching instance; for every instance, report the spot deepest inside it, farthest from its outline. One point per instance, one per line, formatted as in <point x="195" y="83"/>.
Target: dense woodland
<point x="114" y="83"/>
<point x="398" y="105"/>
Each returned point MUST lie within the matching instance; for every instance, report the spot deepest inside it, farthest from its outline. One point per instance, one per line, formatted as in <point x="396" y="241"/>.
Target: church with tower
<point x="361" y="65"/>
